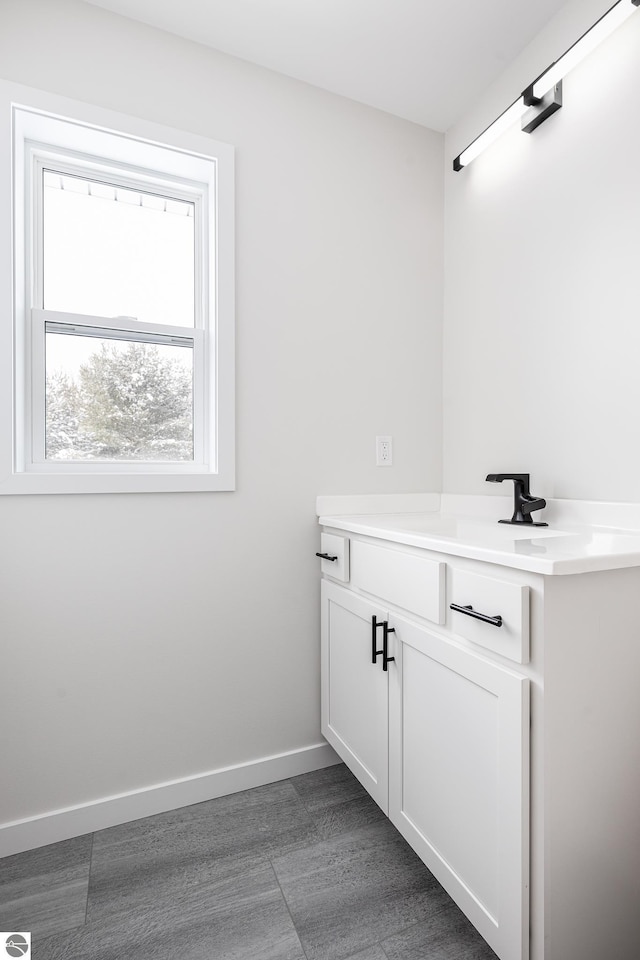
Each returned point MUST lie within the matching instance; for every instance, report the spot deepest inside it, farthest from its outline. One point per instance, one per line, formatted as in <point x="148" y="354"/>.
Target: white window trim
<point x="22" y="114"/>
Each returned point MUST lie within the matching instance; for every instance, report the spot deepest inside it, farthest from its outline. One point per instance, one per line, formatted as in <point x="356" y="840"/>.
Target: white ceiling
<point x="424" y="60"/>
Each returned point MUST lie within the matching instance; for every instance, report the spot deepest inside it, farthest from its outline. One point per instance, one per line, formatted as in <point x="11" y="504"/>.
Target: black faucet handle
<point x="535" y="503"/>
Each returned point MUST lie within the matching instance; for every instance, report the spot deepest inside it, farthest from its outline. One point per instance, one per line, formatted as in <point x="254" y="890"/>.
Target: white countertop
<point x="560" y="548"/>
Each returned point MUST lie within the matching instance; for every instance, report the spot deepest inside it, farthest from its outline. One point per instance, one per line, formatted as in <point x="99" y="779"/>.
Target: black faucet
<point x="524" y="503"/>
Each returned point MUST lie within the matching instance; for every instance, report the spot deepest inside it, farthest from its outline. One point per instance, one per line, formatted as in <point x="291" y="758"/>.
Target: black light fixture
<point x="543" y="97"/>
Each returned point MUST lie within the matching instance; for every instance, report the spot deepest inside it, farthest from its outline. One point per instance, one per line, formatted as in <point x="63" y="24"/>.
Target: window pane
<point x="118" y="400"/>
<point x="111" y="252"/>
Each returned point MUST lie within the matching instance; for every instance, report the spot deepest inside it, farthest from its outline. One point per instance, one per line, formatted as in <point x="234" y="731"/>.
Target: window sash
<point x="119" y="328"/>
<point x="41" y="159"/>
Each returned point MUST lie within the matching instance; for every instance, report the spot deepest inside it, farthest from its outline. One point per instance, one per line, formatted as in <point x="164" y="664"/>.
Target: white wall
<point x="542" y="327"/>
<point x="147" y="638"/>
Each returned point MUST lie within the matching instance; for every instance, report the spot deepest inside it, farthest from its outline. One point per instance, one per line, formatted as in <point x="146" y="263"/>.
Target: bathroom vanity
<point x="481" y="681"/>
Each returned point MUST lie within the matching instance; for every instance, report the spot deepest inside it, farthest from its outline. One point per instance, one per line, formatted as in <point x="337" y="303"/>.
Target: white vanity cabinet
<point x="503" y="740"/>
<point x="440" y="738"/>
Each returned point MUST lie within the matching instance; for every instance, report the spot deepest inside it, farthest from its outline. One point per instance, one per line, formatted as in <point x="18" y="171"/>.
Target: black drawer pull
<point x="470" y="612"/>
<point x="325" y="556"/>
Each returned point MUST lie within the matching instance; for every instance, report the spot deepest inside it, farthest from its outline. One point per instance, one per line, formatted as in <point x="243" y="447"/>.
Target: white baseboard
<point x="70" y="822"/>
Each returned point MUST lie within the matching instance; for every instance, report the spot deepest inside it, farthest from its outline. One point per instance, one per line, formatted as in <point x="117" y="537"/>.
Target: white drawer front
<point x="415" y="583"/>
<point x="337" y="547"/>
<point x="492" y="598"/>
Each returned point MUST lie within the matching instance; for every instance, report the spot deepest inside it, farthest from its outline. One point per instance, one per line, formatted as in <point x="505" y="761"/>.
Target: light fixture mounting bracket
<point x="541" y="108"/>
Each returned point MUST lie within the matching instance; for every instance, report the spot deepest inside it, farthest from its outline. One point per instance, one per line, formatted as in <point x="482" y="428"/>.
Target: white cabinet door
<point x="459" y="778"/>
<point x="355" y="691"/>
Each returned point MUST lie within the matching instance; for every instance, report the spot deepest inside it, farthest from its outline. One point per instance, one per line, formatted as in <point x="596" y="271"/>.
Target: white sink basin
<point x="454" y="528"/>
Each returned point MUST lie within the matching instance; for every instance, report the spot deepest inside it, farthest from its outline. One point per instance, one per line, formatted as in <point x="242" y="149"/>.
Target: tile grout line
<point x="313" y="844"/>
<point x="322" y="840"/>
<point x="86" y="904"/>
<point x="284" y="900"/>
<point x="299" y="796"/>
<point x="320" y="836"/>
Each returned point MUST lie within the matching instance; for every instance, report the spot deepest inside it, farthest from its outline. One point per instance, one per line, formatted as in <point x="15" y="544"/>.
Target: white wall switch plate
<point x="384" y="451"/>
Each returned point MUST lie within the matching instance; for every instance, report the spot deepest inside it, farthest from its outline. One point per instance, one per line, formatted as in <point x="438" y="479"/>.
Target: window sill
<point x="70" y="483"/>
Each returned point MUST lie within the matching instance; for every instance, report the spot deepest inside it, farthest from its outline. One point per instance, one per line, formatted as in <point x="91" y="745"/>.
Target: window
<point x="122" y="342"/>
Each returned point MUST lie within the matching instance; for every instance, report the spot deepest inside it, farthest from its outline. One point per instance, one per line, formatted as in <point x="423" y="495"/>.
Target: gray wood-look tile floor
<point x="304" y="869"/>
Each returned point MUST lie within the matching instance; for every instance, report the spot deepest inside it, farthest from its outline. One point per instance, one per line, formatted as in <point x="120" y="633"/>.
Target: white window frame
<point x="37" y="129"/>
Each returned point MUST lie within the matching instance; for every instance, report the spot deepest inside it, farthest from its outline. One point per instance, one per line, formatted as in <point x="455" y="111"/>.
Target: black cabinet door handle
<point x="325" y="556"/>
<point x="470" y="612"/>
<point x="386" y="659"/>
<point x="375" y="653"/>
